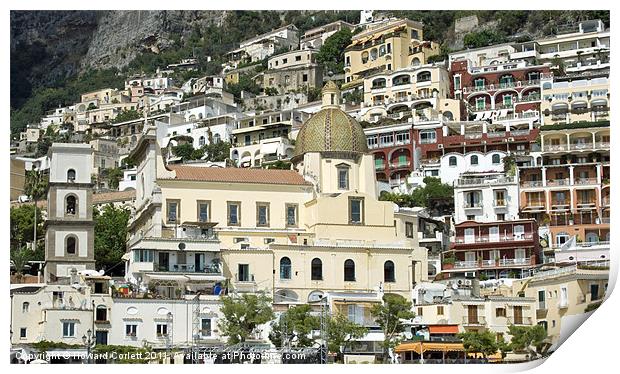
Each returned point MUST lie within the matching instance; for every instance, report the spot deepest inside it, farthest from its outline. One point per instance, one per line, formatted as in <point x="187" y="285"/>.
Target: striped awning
<point x="421" y="347"/>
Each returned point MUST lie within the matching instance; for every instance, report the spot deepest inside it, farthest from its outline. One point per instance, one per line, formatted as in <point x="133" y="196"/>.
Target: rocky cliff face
<point x="49" y="45"/>
<point x="121" y="35"/>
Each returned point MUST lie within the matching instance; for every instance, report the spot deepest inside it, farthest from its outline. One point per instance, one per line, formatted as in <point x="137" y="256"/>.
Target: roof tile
<point x="238" y="175"/>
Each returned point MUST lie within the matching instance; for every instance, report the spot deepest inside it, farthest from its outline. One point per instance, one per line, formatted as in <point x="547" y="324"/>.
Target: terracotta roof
<point x="106" y="197"/>
<point x="238" y="175"/>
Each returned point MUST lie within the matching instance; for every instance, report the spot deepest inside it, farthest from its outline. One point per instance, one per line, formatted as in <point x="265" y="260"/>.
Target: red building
<point x="494" y="249"/>
<point x="496" y="91"/>
<point x="392" y="147"/>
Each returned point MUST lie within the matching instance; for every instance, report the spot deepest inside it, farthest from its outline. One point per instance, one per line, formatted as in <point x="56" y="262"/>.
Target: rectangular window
<point x="172" y="210"/>
<point x="291" y="215"/>
<point x="143" y="255"/>
<point x="204" y="211"/>
<point x="409" y="229"/>
<point x="68" y="329"/>
<point x="356" y="210"/>
<point x="205" y="327"/>
<point x="343" y="178"/>
<point x="22" y="332"/>
<point x="457" y="82"/>
<point x="304" y="78"/>
<point x="500" y="312"/>
<point x="420" y="312"/>
<point x="440" y="310"/>
<point x="262" y="214"/>
<point x="131" y="330"/>
<point x="162" y="329"/>
<point x="243" y="274"/>
<point x="234" y="213"/>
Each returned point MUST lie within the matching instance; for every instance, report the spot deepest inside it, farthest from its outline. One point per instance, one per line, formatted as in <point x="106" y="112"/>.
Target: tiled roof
<point x="238" y="175"/>
<point x="107" y="197"/>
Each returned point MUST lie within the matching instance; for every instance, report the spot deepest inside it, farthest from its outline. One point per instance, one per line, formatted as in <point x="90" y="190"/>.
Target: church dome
<point x="330" y="129"/>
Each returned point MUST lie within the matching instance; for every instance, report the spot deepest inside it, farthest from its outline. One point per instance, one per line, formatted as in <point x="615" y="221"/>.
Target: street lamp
<point x="89" y="342"/>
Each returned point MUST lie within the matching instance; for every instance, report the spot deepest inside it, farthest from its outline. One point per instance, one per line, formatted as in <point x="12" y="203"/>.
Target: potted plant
<point x="448" y="262"/>
<point x="571" y="219"/>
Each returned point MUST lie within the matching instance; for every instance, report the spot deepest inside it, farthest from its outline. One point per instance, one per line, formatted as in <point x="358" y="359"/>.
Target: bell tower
<point x="70" y="236"/>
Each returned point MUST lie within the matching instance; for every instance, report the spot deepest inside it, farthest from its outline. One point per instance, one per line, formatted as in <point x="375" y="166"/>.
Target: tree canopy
<point x="340" y="333"/>
<point x="127" y="115"/>
<point x="22" y="224"/>
<point x="243" y="314"/>
<point x="389" y="316"/>
<point x="295" y="326"/>
<point x="532" y="339"/>
<point x="331" y="54"/>
<point x="483" y="342"/>
<point x="426" y="196"/>
<point x="216" y="151"/>
<point x="110" y="236"/>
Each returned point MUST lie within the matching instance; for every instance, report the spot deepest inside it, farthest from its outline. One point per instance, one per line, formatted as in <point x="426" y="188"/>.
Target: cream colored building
<point x="389" y="46"/>
<point x="562" y="292"/>
<point x="575" y="99"/>
<point x="395" y="94"/>
<point x="294" y="233"/>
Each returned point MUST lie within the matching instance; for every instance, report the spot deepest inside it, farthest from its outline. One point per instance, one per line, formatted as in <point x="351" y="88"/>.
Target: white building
<point x="485" y="197"/>
<point x="453" y="164"/>
<point x="314" y="38"/>
<point x="129" y="180"/>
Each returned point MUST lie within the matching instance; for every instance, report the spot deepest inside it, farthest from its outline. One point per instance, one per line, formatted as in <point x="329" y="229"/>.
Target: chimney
<point x="475" y="287"/>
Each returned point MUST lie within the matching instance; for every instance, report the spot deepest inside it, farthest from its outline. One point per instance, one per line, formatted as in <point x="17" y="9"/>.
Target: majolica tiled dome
<point x="330" y="129"/>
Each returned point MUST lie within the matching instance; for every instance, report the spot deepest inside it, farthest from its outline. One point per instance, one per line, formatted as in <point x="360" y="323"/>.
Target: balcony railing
<point x="532" y="184"/>
<point x="189" y="268"/>
<point x="559" y="182"/>
<point x="400" y="165"/>
<point x="582" y="181"/>
<point x="533" y="203"/>
<point x="520" y="320"/>
<point x="466" y="264"/>
<point x="483" y="181"/>
<point x="499" y="86"/>
<point x="520" y="132"/>
<point x="602" y="144"/>
<point x="500" y="203"/>
<point x="474" y="321"/>
<point x="476" y="205"/>
<point x="555" y="147"/>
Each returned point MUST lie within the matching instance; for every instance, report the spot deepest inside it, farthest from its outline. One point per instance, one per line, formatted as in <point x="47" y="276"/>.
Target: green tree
<point x="433" y="189"/>
<point x="186" y="151"/>
<point x="331" y="54"/>
<point x="110" y="236"/>
<point x="127" y="115"/>
<point x="340" y="333"/>
<point x="531" y="339"/>
<point x="20" y="258"/>
<point x="389" y="316"/>
<point x="22" y="223"/>
<point x="479" y="39"/>
<point x="243" y="314"/>
<point x="483" y="342"/>
<point x="295" y="325"/>
<point x="245" y="84"/>
<point x="217" y="151"/>
<point x="114" y="175"/>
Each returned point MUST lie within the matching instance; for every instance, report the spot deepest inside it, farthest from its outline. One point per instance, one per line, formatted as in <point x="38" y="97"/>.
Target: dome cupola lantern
<point x="330" y="129"/>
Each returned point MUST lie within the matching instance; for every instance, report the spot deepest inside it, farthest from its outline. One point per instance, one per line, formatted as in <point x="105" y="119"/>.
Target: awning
<point x="170" y="277"/>
<point x="598" y="102"/>
<point x="269" y="148"/>
<point x="443" y="329"/>
<point x="199" y="224"/>
<point x="421" y="347"/>
<point x="201" y="278"/>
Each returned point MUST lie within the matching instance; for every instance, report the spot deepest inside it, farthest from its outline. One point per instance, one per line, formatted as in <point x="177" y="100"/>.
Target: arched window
<point x="71" y="245"/>
<point x="373" y="54"/>
<point x="415" y="62"/>
<point x="25" y="307"/>
<point x="70" y="175"/>
<point x="591" y="237"/>
<point x="217" y="138"/>
<point x="316" y="272"/>
<point x="285" y="268"/>
<point x="364" y="57"/>
<point x="495" y="159"/>
<point x="424" y="76"/>
<point x="349" y="271"/>
<point x="70" y="205"/>
<point x="201" y="141"/>
<point x="101" y="313"/>
<point x="547" y="86"/>
<point x="474" y="160"/>
<point x="388" y="272"/>
<point x="452" y="161"/>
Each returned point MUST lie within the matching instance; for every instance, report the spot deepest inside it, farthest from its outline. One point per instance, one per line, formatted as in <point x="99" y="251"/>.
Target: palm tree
<point x="35" y="187"/>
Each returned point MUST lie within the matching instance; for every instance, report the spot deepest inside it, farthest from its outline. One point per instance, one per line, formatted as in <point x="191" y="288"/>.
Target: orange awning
<point x="420" y="347"/>
<point x="443" y="329"/>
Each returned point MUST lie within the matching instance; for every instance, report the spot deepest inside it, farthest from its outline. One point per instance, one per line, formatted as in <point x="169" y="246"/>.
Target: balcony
<point x="500" y="86"/>
<point x="466" y="264"/>
<point x="585" y="181"/>
<point x="484" y="181"/>
<point x="603" y="145"/>
<point x="555" y="147"/>
<point x="520" y="132"/>
<point x="500" y="203"/>
<point x="472" y="320"/>
<point x="520" y="321"/>
<point x="211" y="269"/>
<point x="531" y="184"/>
<point x="469" y="205"/>
<point x="558" y="182"/>
<point x="514" y="261"/>
<point x="399" y="165"/>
